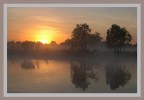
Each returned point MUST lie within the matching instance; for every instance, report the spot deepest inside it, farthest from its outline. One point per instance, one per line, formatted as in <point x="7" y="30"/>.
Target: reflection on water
<point x="28" y="64"/>
<point x="72" y="75"/>
<point x="117" y="74"/>
<point x="80" y="74"/>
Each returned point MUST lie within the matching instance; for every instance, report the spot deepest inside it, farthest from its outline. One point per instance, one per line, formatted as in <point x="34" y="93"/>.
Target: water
<point x="76" y="75"/>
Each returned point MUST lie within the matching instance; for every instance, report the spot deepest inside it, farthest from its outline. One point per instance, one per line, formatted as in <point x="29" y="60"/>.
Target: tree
<point x="94" y="39"/>
<point x="118" y="37"/>
<point x="80" y="36"/>
<point x="27" y="45"/>
<point x="11" y="45"/>
<point x="66" y="42"/>
<point x="53" y="43"/>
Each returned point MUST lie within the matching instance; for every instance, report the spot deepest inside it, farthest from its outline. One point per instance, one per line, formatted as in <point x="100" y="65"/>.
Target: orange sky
<point x="46" y="23"/>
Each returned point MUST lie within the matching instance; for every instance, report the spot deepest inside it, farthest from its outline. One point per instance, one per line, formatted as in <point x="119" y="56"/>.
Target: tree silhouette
<point x="94" y="39"/>
<point x="80" y="36"/>
<point x="11" y="45"/>
<point x="66" y="42"/>
<point x="27" y="45"/>
<point x="53" y="43"/>
<point x="118" y="37"/>
<point x="38" y="45"/>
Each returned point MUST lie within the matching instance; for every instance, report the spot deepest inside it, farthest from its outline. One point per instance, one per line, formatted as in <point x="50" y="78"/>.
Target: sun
<point x="44" y="36"/>
<point x="44" y="41"/>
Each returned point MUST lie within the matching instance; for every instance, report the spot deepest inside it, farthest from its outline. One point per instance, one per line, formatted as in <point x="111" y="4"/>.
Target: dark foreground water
<point x="76" y="75"/>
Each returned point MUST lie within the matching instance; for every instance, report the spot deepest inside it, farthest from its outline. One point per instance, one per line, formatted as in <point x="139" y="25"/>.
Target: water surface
<point x="77" y="75"/>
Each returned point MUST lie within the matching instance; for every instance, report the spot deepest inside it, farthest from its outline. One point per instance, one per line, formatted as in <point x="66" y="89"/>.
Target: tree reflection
<point x="27" y="64"/>
<point x="116" y="74"/>
<point x="81" y="73"/>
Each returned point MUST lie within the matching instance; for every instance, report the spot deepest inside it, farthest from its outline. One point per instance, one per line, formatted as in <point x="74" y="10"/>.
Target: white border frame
<point x="138" y="94"/>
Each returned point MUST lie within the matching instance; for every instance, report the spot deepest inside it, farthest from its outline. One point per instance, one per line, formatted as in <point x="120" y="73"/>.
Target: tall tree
<point x="118" y="37"/>
<point x="80" y="36"/>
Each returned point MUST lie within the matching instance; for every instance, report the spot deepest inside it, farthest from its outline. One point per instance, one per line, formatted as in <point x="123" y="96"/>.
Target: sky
<point x="45" y="24"/>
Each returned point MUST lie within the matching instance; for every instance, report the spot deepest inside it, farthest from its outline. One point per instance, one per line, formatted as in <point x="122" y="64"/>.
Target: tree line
<point x="83" y="39"/>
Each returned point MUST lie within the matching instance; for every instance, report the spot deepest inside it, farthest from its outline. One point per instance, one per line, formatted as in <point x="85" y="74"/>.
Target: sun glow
<point x="44" y="41"/>
<point x="44" y="36"/>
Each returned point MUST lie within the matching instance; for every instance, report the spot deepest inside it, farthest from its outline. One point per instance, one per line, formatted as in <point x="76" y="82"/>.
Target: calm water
<point x="92" y="75"/>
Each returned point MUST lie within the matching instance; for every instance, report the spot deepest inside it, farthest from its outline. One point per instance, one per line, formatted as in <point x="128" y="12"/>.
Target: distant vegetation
<point x="81" y="40"/>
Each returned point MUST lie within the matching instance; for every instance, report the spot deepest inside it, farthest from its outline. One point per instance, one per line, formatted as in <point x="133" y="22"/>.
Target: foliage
<point x="67" y="42"/>
<point x="118" y="37"/>
<point x="82" y="37"/>
<point x="27" y="44"/>
<point x="94" y="38"/>
<point x="53" y="43"/>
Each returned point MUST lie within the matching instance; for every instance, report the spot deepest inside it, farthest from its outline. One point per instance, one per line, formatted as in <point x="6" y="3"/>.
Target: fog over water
<point x="90" y="74"/>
